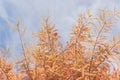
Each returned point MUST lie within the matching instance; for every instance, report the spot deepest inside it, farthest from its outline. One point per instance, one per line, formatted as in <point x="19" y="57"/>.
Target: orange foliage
<point x="89" y="54"/>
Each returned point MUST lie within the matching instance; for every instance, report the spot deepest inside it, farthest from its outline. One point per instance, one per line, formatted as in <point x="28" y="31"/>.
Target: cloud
<point x="3" y="12"/>
<point x="64" y="12"/>
<point x="4" y="32"/>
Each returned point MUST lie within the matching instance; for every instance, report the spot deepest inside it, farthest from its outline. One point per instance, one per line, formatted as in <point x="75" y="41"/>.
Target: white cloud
<point x="3" y="12"/>
<point x="64" y="12"/>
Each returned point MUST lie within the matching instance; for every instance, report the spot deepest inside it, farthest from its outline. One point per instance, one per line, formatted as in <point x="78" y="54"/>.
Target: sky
<point x="63" y="12"/>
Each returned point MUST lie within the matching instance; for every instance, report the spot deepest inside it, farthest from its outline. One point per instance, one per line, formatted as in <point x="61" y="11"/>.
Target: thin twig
<point x="95" y="46"/>
<point x="24" y="54"/>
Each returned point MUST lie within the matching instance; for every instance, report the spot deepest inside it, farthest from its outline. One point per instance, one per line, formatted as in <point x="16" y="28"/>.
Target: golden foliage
<point x="89" y="54"/>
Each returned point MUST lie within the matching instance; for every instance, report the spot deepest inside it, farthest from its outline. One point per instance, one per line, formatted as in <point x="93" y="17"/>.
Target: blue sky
<point x="63" y="12"/>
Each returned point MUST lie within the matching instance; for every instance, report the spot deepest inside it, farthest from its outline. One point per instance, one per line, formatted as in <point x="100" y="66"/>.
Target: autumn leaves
<point x="88" y="55"/>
